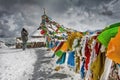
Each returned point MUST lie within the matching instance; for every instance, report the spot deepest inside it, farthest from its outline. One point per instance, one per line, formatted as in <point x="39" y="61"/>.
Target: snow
<point x="2" y="45"/>
<point x="16" y="64"/>
<point x="36" y="40"/>
<point x="32" y="64"/>
<point x="66" y="72"/>
<point x="37" y="33"/>
<point x="32" y="40"/>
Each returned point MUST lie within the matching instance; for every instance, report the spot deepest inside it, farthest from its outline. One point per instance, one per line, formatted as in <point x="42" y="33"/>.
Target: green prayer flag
<point x="59" y="53"/>
<point x="112" y="26"/>
<point x="106" y="35"/>
<point x="61" y="29"/>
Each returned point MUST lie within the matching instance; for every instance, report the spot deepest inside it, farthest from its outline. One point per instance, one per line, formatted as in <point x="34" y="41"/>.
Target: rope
<point x="32" y="33"/>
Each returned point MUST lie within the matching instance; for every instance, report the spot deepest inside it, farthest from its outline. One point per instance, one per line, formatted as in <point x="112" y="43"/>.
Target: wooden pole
<point x="44" y="11"/>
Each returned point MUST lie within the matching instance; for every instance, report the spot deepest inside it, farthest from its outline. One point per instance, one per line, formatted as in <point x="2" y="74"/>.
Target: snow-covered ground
<point x="16" y="64"/>
<point x="44" y="68"/>
<point x="32" y="64"/>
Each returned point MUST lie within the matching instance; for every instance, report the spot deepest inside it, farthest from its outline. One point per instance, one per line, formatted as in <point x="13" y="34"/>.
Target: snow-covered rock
<point x="2" y="45"/>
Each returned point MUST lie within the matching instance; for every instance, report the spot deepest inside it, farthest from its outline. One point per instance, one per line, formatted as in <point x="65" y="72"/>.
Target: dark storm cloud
<point x="57" y="5"/>
<point x="4" y="31"/>
<point x="84" y="13"/>
<point x="9" y="3"/>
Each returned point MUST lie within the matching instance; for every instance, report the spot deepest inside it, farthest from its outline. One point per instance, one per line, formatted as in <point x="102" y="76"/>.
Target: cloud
<point x="81" y="15"/>
<point x="4" y="31"/>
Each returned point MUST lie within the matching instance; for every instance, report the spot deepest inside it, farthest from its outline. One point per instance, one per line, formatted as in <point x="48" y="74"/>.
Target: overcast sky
<point x="81" y="15"/>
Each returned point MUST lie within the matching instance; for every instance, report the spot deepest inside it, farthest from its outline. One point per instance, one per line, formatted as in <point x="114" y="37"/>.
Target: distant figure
<point x="24" y="36"/>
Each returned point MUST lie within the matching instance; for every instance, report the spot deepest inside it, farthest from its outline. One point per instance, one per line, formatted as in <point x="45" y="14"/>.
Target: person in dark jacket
<point x="24" y="36"/>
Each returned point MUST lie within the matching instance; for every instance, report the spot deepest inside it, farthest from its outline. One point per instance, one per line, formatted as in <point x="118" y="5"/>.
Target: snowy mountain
<point x="8" y="41"/>
<point x="2" y="45"/>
